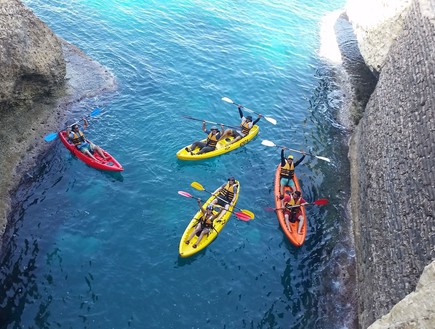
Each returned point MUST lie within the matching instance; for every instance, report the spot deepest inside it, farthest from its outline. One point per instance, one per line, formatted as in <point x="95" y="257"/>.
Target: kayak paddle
<point x="199" y="187"/>
<point x="239" y="215"/>
<point x="318" y="202"/>
<point x="272" y="144"/>
<point x="228" y="100"/>
<point x="51" y="136"/>
<point x="216" y="123"/>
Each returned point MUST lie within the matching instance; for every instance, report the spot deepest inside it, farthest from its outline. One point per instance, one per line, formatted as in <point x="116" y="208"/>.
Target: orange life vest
<point x="78" y="138"/>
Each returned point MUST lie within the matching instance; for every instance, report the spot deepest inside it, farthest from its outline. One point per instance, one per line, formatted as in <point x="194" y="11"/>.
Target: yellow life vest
<point x="78" y="138"/>
<point x="206" y="220"/>
<point x="245" y="127"/>
<point x="292" y="202"/>
<point x="211" y="140"/>
<point x="288" y="170"/>
<point x="227" y="192"/>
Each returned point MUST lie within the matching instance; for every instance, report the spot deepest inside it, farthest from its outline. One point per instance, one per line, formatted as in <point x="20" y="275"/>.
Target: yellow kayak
<point x="186" y="250"/>
<point x="221" y="147"/>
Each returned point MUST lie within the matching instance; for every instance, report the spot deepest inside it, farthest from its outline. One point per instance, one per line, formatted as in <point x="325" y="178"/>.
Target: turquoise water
<point x="89" y="249"/>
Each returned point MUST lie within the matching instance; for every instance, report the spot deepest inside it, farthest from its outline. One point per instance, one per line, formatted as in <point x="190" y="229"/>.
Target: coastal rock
<point x="392" y="160"/>
<point x="31" y="59"/>
<point x="377" y="23"/>
<point x="409" y="313"/>
<point x="43" y="78"/>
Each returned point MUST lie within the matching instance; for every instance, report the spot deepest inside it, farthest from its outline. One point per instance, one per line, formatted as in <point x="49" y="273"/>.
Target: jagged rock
<point x="415" y="311"/>
<point x="31" y="59"/>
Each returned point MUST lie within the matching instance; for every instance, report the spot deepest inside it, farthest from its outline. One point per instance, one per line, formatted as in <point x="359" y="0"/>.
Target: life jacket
<point x="288" y="170"/>
<point x="245" y="127"/>
<point x="211" y="140"/>
<point x="78" y="138"/>
<point x="227" y="192"/>
<point x="293" y="202"/>
<point x="206" y="221"/>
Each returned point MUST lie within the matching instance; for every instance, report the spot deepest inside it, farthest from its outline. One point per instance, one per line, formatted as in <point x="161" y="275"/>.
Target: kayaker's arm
<point x="282" y="158"/>
<point x="222" y="128"/>
<point x="201" y="206"/>
<point x="300" y="160"/>
<point x="240" y="111"/>
<point x="204" y="129"/>
<point x="235" y="194"/>
<point x="85" y="123"/>
<point x="256" y="120"/>
<point x="218" y="189"/>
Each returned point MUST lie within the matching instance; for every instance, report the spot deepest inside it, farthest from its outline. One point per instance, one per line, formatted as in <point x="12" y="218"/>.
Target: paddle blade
<point x="323" y="158"/>
<point x="197" y="186"/>
<point x="242" y="216"/>
<point x="187" y="195"/>
<point x="271" y="120"/>
<point x="50" y="137"/>
<point x="265" y="142"/>
<point x="226" y="99"/>
<point x="95" y="112"/>
<point x="321" y="202"/>
<point x="269" y="209"/>
<point x="249" y="213"/>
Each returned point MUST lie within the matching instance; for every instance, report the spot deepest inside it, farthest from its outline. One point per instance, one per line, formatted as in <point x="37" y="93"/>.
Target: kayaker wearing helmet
<point x="226" y="194"/>
<point x="245" y="127"/>
<point x="205" y="223"/>
<point x="213" y="136"/>
<point x="77" y="137"/>
<point x="293" y="211"/>
<point x="288" y="171"/>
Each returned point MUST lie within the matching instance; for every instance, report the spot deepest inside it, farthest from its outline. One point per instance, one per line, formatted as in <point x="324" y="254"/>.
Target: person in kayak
<point x="245" y="127"/>
<point x="205" y="223"/>
<point x="287" y="172"/>
<point x="293" y="211"/>
<point x="225" y="195"/>
<point x="213" y="136"/>
<point x="76" y="136"/>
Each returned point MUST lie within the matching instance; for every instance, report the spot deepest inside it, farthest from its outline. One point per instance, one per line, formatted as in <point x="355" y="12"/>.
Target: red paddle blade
<point x="187" y="195"/>
<point x="321" y="202"/>
<point x="242" y="216"/>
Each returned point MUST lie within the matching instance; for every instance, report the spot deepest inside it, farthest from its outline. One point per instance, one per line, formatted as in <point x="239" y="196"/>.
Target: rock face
<point x="31" y="60"/>
<point x="409" y="313"/>
<point x="32" y="72"/>
<point x="392" y="165"/>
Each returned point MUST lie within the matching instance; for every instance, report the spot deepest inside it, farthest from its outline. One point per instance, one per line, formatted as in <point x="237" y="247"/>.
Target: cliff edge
<point x="392" y="156"/>
<point x="41" y="78"/>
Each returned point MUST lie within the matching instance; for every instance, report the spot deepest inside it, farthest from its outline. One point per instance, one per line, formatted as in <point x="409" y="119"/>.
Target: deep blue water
<point x="88" y="249"/>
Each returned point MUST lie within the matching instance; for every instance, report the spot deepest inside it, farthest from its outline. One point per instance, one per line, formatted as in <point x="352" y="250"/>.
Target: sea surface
<point x="91" y="249"/>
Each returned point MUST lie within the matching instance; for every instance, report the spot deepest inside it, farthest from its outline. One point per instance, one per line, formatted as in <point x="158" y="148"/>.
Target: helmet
<point x="290" y="157"/>
<point x="249" y="118"/>
<point x="209" y="207"/>
<point x="214" y="128"/>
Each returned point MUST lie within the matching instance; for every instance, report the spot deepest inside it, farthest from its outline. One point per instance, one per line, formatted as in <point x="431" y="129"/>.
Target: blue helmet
<point x="209" y="207"/>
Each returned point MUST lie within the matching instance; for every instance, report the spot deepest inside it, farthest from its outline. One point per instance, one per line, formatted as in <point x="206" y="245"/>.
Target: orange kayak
<point x="295" y="238"/>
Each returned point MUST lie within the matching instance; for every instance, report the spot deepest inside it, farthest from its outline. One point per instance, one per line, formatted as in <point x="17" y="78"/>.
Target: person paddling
<point x="205" y="223"/>
<point x="209" y="145"/>
<point x="77" y="137"/>
<point x="287" y="172"/>
<point x="245" y="127"/>
<point x="226" y="194"/>
<point x="293" y="211"/>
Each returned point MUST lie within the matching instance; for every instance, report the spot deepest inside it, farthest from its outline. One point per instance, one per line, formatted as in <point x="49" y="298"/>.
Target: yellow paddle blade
<point x="249" y="213"/>
<point x="197" y="186"/>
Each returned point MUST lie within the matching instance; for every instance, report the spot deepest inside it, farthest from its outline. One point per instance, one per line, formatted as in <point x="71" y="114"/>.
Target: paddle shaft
<point x="269" y="143"/>
<point x="215" y="123"/>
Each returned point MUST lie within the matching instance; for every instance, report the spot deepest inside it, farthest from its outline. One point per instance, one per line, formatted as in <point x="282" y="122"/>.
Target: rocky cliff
<point x="41" y="78"/>
<point x="393" y="158"/>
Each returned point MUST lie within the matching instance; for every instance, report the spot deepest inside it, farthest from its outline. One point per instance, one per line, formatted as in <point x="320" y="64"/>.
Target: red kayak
<point x="109" y="164"/>
<point x="293" y="236"/>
